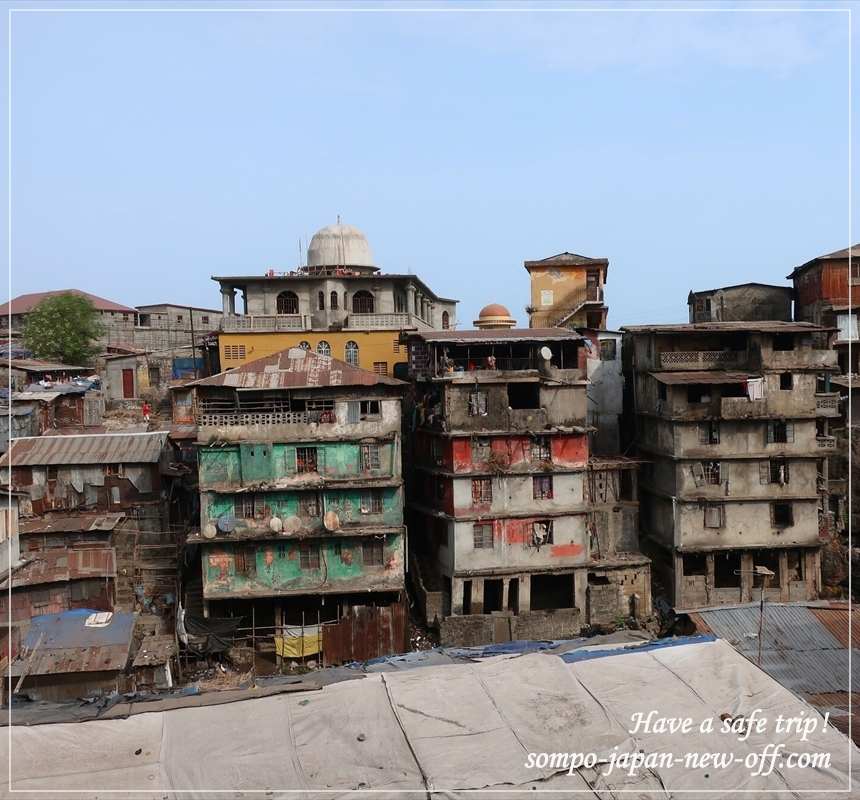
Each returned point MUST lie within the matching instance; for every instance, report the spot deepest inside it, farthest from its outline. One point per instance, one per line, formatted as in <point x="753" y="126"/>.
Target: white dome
<point x="339" y="246"/>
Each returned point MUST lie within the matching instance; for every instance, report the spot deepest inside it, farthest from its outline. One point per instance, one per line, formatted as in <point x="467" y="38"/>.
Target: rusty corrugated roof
<point x="63" y="565"/>
<point x="81" y="522"/>
<point x="836" y="618"/>
<point x="296" y="368"/>
<point x="75" y="449"/>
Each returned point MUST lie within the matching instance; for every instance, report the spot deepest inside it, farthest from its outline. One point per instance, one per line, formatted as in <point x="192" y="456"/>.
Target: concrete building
<point x="301" y="502"/>
<point x="167" y="326"/>
<point x="729" y="418"/>
<point x="742" y="302"/>
<point x="515" y="532"/>
<point x="605" y="391"/>
<point x="339" y="304"/>
<point x="567" y="292"/>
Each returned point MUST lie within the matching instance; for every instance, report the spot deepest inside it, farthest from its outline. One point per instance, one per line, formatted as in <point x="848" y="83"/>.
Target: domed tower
<point x="340" y="245"/>
<point x="494" y="316"/>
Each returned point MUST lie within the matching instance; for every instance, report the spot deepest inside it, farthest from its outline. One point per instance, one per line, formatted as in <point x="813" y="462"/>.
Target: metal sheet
<point x="112" y="448"/>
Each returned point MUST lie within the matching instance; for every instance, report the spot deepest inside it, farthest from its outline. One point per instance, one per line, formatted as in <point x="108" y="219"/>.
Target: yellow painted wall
<point x="373" y="346"/>
<point x="565" y="283"/>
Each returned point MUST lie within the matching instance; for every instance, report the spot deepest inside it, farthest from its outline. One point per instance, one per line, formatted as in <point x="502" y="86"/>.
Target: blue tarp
<point x="59" y="631"/>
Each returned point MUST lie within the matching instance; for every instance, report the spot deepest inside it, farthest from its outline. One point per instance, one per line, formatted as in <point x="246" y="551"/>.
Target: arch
<point x="446" y="321"/>
<point x="288" y="303"/>
<point x="351" y="353"/>
<point x="333" y="301"/>
<point x="321" y="300"/>
<point x="323" y="348"/>
<point x="362" y="302"/>
<point x="305" y="345"/>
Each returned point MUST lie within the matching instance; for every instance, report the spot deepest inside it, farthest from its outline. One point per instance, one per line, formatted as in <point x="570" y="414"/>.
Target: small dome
<point x="494" y="315"/>
<point x="494" y="310"/>
<point x="339" y="246"/>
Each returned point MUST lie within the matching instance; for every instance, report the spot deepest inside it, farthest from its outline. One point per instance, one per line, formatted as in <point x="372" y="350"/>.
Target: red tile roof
<point x="24" y="303"/>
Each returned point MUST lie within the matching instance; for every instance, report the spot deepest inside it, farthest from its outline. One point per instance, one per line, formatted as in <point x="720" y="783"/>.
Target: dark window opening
<point x="628" y="484"/>
<point x="711" y="471"/>
<point x="551" y="591"/>
<point x="734" y="390"/>
<point x="782" y="515"/>
<point x="369" y="409"/>
<point x="446" y="321"/>
<point x="514" y="595"/>
<point x="698" y="393"/>
<point x="795" y="565"/>
<point x="321" y="301"/>
<point x="783" y="341"/>
<point x="542" y="487"/>
<point x="482" y="490"/>
<point x="244" y="506"/>
<point x="287" y="303"/>
<point x="524" y="395"/>
<point x="369" y="457"/>
<point x="608" y="349"/>
<point x="727" y="567"/>
<point x="310" y="504"/>
<point x="779" y="432"/>
<point x="774" y="471"/>
<point x="709" y="433"/>
<point x="769" y="559"/>
<point x="662" y="392"/>
<point x="597" y="580"/>
<point x="695" y="564"/>
<point x="786" y="380"/>
<point x="492" y="596"/>
<point x="541" y="449"/>
<point x="332" y="302"/>
<point x="309" y="556"/>
<point x="372" y="552"/>
<point x="467" y="597"/>
<point x="362" y="302"/>
<point x="306" y="459"/>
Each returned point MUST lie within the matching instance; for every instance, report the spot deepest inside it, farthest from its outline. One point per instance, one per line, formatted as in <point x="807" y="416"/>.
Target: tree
<point x="63" y="327"/>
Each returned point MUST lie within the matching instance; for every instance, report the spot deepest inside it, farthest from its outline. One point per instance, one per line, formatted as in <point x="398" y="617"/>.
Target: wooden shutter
<point x="698" y="473"/>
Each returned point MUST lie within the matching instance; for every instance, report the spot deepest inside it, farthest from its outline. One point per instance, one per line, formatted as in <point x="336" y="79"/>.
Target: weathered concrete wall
<point x="605" y="393"/>
<point x="742" y="303"/>
<point x="274" y="568"/>
<point x="515" y="494"/>
<point x="615" y="593"/>
<point x="742" y="478"/>
<point x="477" y="629"/>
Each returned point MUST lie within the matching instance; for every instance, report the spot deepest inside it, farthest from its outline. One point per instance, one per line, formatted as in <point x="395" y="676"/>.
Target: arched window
<point x="321" y="300"/>
<point x="345" y="306"/>
<point x="288" y="303"/>
<point x="305" y="345"/>
<point x="351" y="353"/>
<point x="362" y="302"/>
<point x="323" y="349"/>
<point x="446" y="321"/>
<point x="333" y="303"/>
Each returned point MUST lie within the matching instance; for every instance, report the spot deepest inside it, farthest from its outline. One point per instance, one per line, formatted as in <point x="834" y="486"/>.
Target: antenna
<point x="300" y="251"/>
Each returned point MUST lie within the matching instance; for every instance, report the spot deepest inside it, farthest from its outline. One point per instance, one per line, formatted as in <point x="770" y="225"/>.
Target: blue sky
<point x="153" y="150"/>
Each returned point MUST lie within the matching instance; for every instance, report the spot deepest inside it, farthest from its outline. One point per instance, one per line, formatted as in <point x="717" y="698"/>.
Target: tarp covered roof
<point x="74" y="449"/>
<point x="442" y="730"/>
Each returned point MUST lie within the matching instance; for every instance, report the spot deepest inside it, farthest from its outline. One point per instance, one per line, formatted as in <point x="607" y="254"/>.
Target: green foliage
<point x="65" y="328"/>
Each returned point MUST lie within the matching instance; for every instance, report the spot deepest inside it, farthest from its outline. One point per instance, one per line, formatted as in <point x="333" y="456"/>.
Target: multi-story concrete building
<point x="340" y="304"/>
<point x="744" y="301"/>
<point x="163" y="326"/>
<point x="301" y="501"/>
<point x="567" y="291"/>
<point x="729" y="417"/>
<point x="516" y="532"/>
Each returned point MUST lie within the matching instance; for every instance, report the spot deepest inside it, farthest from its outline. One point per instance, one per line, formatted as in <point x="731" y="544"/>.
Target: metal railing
<point x="264" y="322"/>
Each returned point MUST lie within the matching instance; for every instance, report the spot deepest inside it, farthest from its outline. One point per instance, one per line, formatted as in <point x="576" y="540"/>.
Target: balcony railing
<point x="222" y="419"/>
<point x="701" y="359"/>
<point x="826" y="442"/>
<point x="264" y="322"/>
<point x="397" y="321"/>
<point x="827" y="404"/>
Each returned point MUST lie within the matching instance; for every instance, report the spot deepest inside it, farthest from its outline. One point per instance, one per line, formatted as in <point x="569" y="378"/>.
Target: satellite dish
<point x="546" y="353"/>
<point x="210" y="531"/>
<point x="226" y="524"/>
<point x="331" y="521"/>
<point x="275" y="524"/>
<point x="292" y="525"/>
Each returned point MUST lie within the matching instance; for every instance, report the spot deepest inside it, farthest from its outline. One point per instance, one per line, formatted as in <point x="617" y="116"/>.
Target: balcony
<point x="222" y="419"/>
<point x="702" y="359"/>
<point x="827" y="404"/>
<point x="826" y="443"/>
<point x="742" y="408"/>
<point x="394" y="322"/>
<point x="265" y="322"/>
<point x="802" y="358"/>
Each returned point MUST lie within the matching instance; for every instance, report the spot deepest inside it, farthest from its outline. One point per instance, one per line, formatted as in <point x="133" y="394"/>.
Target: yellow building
<point x="338" y="304"/>
<point x="567" y="292"/>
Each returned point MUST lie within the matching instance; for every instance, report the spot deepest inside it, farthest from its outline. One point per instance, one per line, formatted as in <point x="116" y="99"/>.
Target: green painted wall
<point x="270" y="568"/>
<point x="346" y="502"/>
<point x="247" y="464"/>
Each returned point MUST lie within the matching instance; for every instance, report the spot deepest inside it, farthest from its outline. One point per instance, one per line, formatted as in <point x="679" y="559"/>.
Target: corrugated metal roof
<point x="296" y="369"/>
<point x="500" y="335"/>
<point x="69" y="523"/>
<point x="62" y="565"/>
<point x="836" y="619"/>
<point x="66" y="644"/>
<point x="798" y="649"/>
<point x="103" y="448"/>
<point x="703" y="376"/>
<point x="763" y="326"/>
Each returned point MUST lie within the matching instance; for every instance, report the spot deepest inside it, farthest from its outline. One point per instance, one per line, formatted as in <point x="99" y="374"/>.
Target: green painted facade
<point x="354" y="507"/>
<point x="250" y="464"/>
<point x="337" y="565"/>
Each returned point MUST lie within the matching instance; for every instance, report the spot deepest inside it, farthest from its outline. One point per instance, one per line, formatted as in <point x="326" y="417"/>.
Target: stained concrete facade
<point x="746" y="301"/>
<point x="510" y="517"/>
<point x="729" y="419"/>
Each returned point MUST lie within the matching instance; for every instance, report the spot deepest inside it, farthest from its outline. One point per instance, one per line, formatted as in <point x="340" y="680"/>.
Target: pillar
<point x="477" y="596"/>
<point x="456" y="597"/>
<point x="525" y="594"/>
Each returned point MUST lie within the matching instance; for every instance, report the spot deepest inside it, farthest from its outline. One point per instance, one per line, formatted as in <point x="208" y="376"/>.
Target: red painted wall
<point x="567" y="450"/>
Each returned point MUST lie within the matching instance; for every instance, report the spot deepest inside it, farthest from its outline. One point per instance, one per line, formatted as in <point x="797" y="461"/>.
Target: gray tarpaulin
<point x="440" y="730"/>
